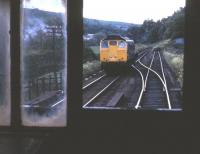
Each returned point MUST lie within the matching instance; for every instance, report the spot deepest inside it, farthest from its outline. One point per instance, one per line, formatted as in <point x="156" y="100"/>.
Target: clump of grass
<point x="90" y="67"/>
<point x="162" y="44"/>
<point x="140" y="47"/>
<point x="175" y="61"/>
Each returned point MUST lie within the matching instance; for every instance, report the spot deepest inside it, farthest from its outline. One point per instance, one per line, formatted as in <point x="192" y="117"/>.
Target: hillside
<point x="35" y="23"/>
<point x="95" y="30"/>
<point x="92" y="26"/>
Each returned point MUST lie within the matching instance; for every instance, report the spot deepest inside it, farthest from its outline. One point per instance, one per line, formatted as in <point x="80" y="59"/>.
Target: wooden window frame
<point x="75" y="114"/>
<point x="15" y="52"/>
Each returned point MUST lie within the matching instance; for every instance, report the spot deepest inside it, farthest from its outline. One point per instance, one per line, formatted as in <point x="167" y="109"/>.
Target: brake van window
<point x="43" y="63"/>
<point x="4" y="62"/>
<point x="141" y="66"/>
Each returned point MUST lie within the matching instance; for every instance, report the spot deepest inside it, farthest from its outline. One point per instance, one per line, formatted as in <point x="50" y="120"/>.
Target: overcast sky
<point x="133" y="11"/>
<point x="48" y="5"/>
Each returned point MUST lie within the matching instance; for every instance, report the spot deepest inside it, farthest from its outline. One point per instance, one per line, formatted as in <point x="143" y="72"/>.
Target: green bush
<point x="88" y="55"/>
<point x="90" y="67"/>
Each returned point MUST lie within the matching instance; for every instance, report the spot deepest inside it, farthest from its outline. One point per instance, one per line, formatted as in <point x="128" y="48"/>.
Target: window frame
<point x="15" y="72"/>
<point x="74" y="99"/>
<point x="170" y="118"/>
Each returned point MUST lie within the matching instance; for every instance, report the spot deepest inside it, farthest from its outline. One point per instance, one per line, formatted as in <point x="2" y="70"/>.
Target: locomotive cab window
<point x="104" y="44"/>
<point x="113" y="43"/>
<point x="142" y="65"/>
<point x="122" y="44"/>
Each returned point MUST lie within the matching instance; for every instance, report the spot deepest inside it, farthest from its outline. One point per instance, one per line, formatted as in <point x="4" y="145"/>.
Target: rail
<point x="91" y="83"/>
<point x="162" y="80"/>
<point x="166" y="89"/>
<point x="102" y="108"/>
<point x="143" y="54"/>
<point x="145" y="82"/>
<point x="142" y="90"/>
<point x="98" y="94"/>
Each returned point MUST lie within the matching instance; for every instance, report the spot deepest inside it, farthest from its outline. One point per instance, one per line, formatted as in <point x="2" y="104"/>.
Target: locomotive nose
<point x="115" y="58"/>
<point x="112" y="59"/>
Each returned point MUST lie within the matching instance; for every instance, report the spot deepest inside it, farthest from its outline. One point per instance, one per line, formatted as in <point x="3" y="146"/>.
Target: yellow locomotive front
<point x="113" y="51"/>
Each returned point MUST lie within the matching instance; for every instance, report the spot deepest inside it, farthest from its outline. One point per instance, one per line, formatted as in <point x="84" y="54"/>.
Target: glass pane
<point x="4" y="62"/>
<point x="122" y="44"/>
<point x="113" y="42"/>
<point x="141" y="67"/>
<point x="104" y="44"/>
<point x="44" y="59"/>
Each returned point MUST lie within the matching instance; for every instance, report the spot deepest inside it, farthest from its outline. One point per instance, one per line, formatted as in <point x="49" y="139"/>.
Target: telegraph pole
<point x="54" y="32"/>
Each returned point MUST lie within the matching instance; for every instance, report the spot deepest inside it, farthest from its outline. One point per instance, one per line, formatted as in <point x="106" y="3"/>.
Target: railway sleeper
<point x="115" y="99"/>
<point x="175" y="89"/>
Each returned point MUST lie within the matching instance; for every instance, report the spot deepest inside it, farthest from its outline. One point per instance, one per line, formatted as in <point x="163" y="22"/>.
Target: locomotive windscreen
<point x="122" y="44"/>
<point x="104" y="44"/>
<point x="113" y="43"/>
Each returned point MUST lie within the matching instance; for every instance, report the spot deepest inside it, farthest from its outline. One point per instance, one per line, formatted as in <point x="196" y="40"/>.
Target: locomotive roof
<point x="114" y="37"/>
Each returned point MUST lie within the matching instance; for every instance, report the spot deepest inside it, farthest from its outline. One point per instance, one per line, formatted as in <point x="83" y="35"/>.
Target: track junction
<point x="149" y="85"/>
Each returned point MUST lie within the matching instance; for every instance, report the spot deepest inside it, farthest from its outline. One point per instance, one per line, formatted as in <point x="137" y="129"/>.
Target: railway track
<point x="46" y="103"/>
<point x="88" y="78"/>
<point x="149" y="87"/>
<point x="89" y="100"/>
<point x="154" y="92"/>
<point x="93" y="82"/>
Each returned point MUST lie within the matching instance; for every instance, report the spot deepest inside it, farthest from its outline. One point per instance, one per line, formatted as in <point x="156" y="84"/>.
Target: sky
<point x="48" y="5"/>
<point x="132" y="11"/>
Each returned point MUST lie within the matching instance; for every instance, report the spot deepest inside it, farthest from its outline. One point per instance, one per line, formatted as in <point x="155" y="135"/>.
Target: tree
<point x="150" y="31"/>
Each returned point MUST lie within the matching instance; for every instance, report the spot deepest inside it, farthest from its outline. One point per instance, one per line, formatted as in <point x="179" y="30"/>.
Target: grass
<point x="163" y="44"/>
<point x="95" y="50"/>
<point x="174" y="57"/>
<point x="140" y="47"/>
<point x="175" y="61"/>
<point x="90" y="67"/>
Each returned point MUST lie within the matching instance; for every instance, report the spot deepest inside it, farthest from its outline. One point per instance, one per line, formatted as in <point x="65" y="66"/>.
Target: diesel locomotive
<point x="116" y="53"/>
